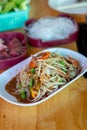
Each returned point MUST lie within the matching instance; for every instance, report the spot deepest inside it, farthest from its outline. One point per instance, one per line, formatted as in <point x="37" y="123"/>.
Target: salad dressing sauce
<point x="11" y="88"/>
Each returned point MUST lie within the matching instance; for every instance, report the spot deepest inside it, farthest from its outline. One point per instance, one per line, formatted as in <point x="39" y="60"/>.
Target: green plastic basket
<point x="13" y="20"/>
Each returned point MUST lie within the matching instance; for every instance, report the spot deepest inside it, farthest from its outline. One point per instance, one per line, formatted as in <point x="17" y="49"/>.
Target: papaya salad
<point x="45" y="74"/>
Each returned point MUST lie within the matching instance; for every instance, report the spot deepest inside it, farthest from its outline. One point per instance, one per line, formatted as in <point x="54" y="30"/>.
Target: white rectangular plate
<point x="6" y="76"/>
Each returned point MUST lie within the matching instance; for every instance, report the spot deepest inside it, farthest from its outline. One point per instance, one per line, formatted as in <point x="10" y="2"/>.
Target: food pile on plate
<point x="45" y="74"/>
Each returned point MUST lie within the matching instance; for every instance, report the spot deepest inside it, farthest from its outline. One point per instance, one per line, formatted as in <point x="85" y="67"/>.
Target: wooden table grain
<point x="67" y="110"/>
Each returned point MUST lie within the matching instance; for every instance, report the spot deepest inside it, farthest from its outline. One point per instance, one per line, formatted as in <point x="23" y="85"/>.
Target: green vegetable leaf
<point x="18" y="2"/>
<point x="62" y="63"/>
<point x="8" y="7"/>
<point x="32" y="70"/>
<point x="64" y="70"/>
<point x="61" y="80"/>
<point x="0" y="9"/>
<point x="2" y="3"/>
<point x="23" y="5"/>
<point x="23" y="94"/>
<point x="31" y="82"/>
<point x="12" y="5"/>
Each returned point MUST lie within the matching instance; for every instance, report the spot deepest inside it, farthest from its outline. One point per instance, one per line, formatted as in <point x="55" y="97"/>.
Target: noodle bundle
<point x="52" y="28"/>
<point x="45" y="73"/>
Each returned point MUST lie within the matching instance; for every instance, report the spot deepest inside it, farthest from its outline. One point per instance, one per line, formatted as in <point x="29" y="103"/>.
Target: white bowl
<point x="6" y="76"/>
<point x="62" y="2"/>
<point x="56" y="4"/>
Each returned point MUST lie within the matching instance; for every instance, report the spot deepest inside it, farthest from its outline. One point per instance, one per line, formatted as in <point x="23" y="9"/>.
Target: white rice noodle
<point x="52" y="28"/>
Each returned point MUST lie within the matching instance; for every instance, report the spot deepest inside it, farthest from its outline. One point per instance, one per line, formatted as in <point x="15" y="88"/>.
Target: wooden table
<point x="66" y="110"/>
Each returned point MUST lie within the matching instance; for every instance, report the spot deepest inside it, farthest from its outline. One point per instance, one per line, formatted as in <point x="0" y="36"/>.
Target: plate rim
<point x="65" y="11"/>
<point x="27" y="60"/>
